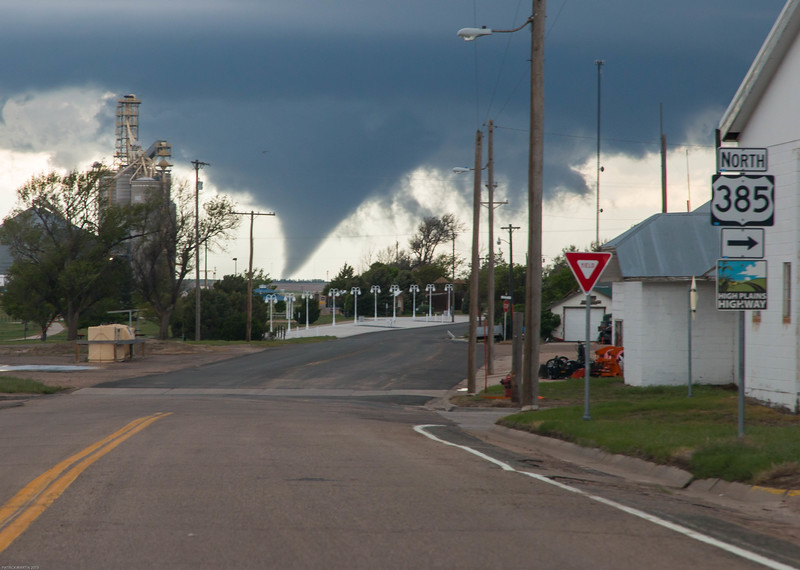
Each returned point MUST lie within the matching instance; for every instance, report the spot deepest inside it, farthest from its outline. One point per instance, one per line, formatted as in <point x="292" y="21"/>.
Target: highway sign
<point x="735" y="159"/>
<point x="742" y="242"/>
<point x="741" y="284"/>
<point x="587" y="267"/>
<point x="742" y="200"/>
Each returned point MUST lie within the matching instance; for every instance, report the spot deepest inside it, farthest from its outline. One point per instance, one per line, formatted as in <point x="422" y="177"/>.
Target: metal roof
<point x="666" y="246"/>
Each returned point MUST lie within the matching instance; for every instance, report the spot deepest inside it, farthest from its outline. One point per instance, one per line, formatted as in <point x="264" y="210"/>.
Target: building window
<point x="786" y="306"/>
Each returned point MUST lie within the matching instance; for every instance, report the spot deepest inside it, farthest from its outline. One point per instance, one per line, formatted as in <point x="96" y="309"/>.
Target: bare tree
<point x="161" y="261"/>
<point x="432" y="232"/>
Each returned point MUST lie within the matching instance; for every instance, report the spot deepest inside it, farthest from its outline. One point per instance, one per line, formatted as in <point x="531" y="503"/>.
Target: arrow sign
<point x="742" y="242"/>
<point x="587" y="267"/>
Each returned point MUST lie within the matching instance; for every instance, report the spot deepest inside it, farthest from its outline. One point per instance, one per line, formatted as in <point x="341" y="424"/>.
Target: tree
<point x="224" y="310"/>
<point x="431" y="232"/>
<point x="161" y="261"/>
<point x="25" y="298"/>
<point x="64" y="238"/>
<point x="300" y="310"/>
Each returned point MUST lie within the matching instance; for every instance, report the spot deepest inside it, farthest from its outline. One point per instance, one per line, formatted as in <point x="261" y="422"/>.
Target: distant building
<point x="137" y="171"/>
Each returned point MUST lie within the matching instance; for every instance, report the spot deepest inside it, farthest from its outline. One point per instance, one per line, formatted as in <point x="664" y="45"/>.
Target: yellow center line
<point x="24" y="507"/>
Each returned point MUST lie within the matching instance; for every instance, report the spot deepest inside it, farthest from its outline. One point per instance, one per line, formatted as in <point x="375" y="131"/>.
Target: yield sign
<point x="587" y="267"/>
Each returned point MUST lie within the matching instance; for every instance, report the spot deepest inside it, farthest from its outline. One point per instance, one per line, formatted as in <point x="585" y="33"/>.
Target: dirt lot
<point x="160" y="356"/>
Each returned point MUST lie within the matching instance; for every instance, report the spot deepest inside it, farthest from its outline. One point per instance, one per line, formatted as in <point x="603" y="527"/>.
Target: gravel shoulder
<point x="160" y="357"/>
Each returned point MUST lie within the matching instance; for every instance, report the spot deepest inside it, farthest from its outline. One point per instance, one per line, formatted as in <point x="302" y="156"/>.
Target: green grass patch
<point x="663" y="425"/>
<point x="13" y="385"/>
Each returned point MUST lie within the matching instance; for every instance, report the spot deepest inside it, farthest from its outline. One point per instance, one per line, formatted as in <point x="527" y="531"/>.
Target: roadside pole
<point x="742" y="205"/>
<point x="587" y="362"/>
<point x="587" y="267"/>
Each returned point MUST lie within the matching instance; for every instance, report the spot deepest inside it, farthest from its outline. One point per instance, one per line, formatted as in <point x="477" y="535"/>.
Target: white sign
<point x="735" y="159"/>
<point x="742" y="242"/>
<point x="742" y="200"/>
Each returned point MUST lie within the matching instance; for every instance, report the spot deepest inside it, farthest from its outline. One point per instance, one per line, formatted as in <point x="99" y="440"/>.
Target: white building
<point x="764" y="114"/>
<point x="651" y="273"/>
<point x="572" y="310"/>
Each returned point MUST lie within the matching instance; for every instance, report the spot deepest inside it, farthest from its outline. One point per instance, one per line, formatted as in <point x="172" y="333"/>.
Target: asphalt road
<point x="125" y="477"/>
<point x="411" y="359"/>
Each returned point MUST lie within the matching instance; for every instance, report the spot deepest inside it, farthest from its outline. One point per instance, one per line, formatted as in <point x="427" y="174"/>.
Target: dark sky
<point x="347" y="98"/>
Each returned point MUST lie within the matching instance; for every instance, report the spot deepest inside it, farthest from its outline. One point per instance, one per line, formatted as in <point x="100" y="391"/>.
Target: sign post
<point x="745" y="201"/>
<point x="587" y="268"/>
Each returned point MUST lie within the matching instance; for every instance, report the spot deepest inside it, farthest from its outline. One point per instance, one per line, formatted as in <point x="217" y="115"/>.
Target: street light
<point x="375" y="290"/>
<point x="307" y="295"/>
<point x="271" y="299"/>
<point x="290" y="298"/>
<point x="395" y="291"/>
<point x="355" y="291"/>
<point x="414" y="289"/>
<point x="430" y="288"/>
<point x="533" y="299"/>
<point x="334" y="293"/>
<point x="235" y="267"/>
<point x="449" y="289"/>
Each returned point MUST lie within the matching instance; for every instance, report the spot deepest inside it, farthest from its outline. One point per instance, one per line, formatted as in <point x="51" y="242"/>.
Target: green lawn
<point x="663" y="425"/>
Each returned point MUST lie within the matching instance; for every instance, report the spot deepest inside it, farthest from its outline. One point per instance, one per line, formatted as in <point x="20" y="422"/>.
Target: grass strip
<point x="663" y="425"/>
<point x="14" y="385"/>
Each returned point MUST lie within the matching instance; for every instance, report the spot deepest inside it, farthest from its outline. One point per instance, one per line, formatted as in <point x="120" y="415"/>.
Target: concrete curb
<point x="613" y="464"/>
<point x="645" y="471"/>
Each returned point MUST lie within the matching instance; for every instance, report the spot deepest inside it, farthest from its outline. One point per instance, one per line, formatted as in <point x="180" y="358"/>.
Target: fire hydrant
<point x="506" y="383"/>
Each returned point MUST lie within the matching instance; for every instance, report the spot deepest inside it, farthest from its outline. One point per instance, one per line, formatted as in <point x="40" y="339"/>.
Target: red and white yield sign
<point x="587" y="267"/>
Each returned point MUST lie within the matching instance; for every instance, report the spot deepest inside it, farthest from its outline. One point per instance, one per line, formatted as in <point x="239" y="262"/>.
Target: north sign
<point x="743" y="200"/>
<point x="735" y="159"/>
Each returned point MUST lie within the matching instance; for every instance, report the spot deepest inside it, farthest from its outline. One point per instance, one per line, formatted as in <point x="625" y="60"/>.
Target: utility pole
<point x="490" y="306"/>
<point x="663" y="159"/>
<point x="533" y="281"/>
<point x="249" y="327"/>
<point x="197" y="165"/>
<point x="474" y="304"/>
<point x="510" y="229"/>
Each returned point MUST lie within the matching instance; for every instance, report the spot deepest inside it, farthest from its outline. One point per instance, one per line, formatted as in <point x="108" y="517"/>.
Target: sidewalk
<point x="346" y="327"/>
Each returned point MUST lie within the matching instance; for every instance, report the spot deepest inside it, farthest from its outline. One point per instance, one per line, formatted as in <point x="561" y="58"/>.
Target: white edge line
<point x="741" y="552"/>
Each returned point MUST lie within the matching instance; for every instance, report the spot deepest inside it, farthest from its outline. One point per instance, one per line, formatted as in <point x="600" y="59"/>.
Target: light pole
<point x="414" y="289"/>
<point x="599" y="63"/>
<point x="395" y="291"/>
<point x="430" y="288"/>
<point x="307" y="295"/>
<point x="375" y="290"/>
<point x="449" y="289"/>
<point x="334" y="293"/>
<point x="533" y="281"/>
<point x="235" y="267"/>
<point x="271" y="299"/>
<point x="355" y="291"/>
<point x="290" y="299"/>
<point x="474" y="289"/>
